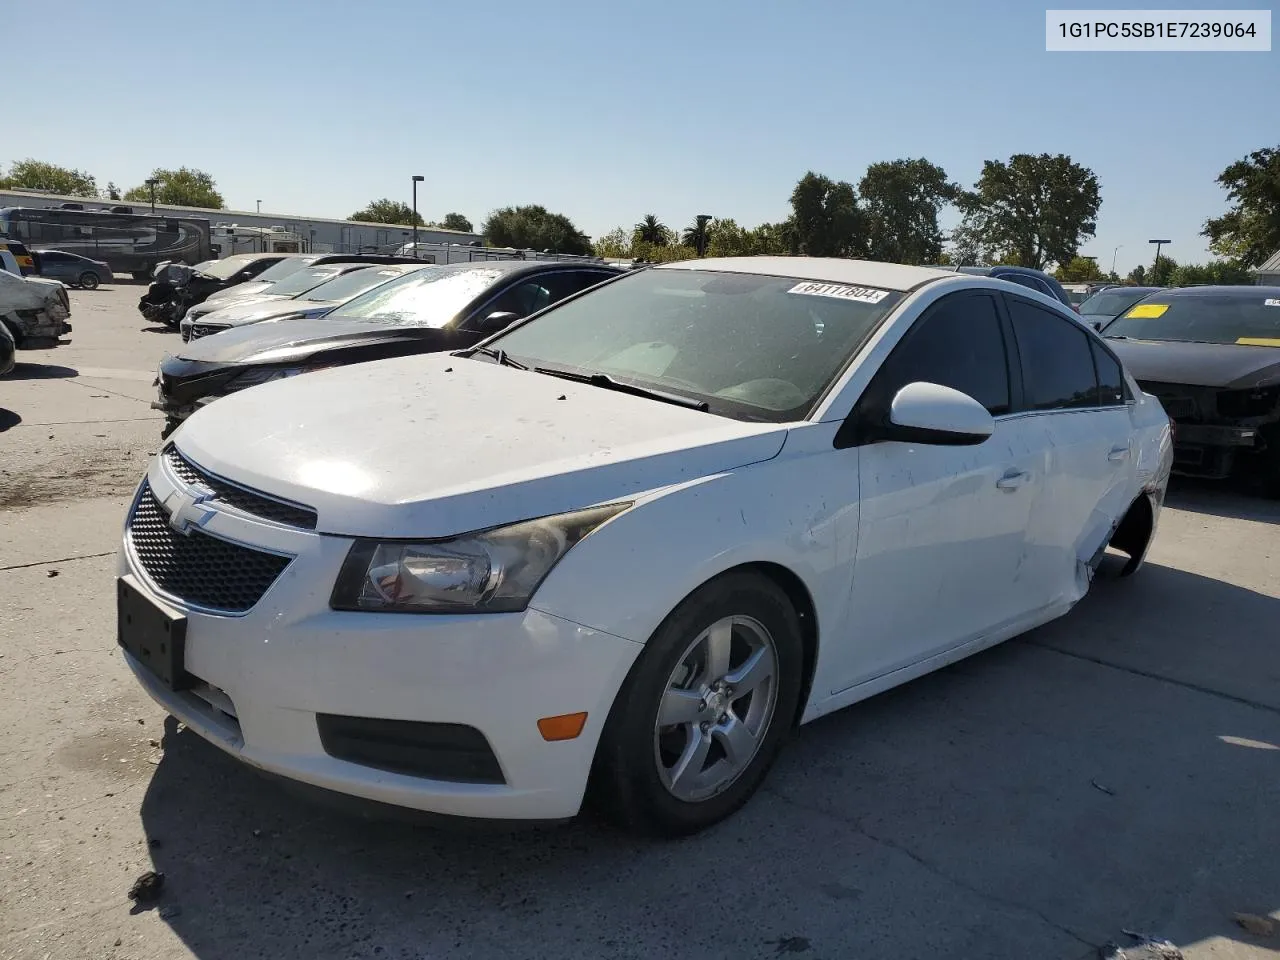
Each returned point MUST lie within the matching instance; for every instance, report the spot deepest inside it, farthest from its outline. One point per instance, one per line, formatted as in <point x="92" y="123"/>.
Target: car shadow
<point x="159" y="329"/>
<point x="1029" y="801"/>
<point x="42" y="371"/>
<point x="8" y="418"/>
<point x="1221" y="499"/>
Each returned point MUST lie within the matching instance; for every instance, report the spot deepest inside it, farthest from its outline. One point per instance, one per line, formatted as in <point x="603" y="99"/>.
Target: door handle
<point x="1013" y="479"/>
<point x="1118" y="453"/>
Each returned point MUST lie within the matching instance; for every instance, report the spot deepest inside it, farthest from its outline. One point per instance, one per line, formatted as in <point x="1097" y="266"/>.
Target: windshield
<point x="351" y="284"/>
<point x="221" y="269"/>
<point x="1076" y="297"/>
<point x="752" y="347"/>
<point x="1209" y="318"/>
<point x="1111" y="303"/>
<point x="429" y="297"/>
<point x="300" y="281"/>
<point x="287" y="266"/>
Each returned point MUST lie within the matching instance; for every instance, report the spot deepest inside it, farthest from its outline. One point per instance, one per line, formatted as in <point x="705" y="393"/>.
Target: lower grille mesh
<point x="196" y="568"/>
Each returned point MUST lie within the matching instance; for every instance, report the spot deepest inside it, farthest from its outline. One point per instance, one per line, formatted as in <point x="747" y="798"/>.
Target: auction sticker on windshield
<point x="1271" y="302"/>
<point x="840" y="291"/>
<point x="1147" y="311"/>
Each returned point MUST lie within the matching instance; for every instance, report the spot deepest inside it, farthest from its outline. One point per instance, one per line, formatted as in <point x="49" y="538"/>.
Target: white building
<point x="317" y="234"/>
<point x="1268" y="274"/>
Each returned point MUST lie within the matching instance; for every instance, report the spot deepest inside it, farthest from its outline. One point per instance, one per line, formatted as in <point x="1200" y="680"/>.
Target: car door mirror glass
<point x="930" y="413"/>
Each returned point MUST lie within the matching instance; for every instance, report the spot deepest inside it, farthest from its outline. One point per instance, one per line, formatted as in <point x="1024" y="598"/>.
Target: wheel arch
<point x="1135" y="531"/>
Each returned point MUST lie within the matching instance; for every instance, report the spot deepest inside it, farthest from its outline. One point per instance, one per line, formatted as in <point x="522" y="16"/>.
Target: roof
<point x="523" y="266"/>
<point x="1270" y="265"/>
<point x="888" y="276"/>
<point x="1243" y="291"/>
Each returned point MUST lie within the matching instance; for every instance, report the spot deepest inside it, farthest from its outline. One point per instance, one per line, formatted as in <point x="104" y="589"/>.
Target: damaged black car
<point x="1212" y="356"/>
<point x="434" y="308"/>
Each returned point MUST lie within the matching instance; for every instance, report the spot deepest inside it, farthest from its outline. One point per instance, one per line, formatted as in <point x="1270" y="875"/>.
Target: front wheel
<point x="88" y="280"/>
<point x="704" y="711"/>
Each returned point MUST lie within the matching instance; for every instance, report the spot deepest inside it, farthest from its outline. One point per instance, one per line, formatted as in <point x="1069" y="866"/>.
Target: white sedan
<point x="624" y="548"/>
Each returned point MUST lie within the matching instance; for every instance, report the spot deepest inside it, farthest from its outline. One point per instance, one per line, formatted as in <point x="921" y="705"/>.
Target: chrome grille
<point x="260" y="505"/>
<point x="199" y="330"/>
<point x="197" y="568"/>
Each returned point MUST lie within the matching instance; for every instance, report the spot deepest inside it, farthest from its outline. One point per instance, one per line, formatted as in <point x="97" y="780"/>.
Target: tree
<point x="534" y="227"/>
<point x="615" y="244"/>
<point x="900" y="200"/>
<point x="1137" y="276"/>
<point x="113" y="192"/>
<point x="184" y="187"/>
<point x="1216" y="271"/>
<point x="695" y="235"/>
<point x="454" y="221"/>
<point x="652" y="231"/>
<point x="37" y="175"/>
<point x="388" y="211"/>
<point x="1079" y="270"/>
<point x="1250" y="230"/>
<point x="1162" y="271"/>
<point x="665" y="253"/>
<point x="1031" y="211"/>
<point x="825" y="219"/>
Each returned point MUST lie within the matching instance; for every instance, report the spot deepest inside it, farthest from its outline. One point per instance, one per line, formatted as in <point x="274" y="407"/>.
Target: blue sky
<point x="607" y="111"/>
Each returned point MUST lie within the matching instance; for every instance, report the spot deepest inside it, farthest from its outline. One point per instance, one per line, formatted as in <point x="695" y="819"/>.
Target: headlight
<point x="257" y="375"/>
<point x="493" y="571"/>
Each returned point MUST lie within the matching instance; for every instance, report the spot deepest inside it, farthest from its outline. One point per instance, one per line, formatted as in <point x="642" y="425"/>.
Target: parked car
<point x="1108" y="303"/>
<point x="296" y="283"/>
<point x="316" y="302"/>
<point x="1212" y="356"/>
<point x="297" y="262"/>
<point x="1078" y="293"/>
<point x="34" y="309"/>
<point x="74" y="270"/>
<point x="429" y="309"/>
<point x="8" y="350"/>
<point x="26" y="262"/>
<point x="634" y="540"/>
<point x="1036" y="280"/>
<point x="176" y="287"/>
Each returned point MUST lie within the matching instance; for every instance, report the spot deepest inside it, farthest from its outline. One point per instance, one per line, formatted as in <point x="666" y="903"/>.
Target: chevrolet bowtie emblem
<point x="186" y="507"/>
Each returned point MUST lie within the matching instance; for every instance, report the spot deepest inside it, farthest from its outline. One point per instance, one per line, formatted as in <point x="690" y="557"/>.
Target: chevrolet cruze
<point x="625" y="547"/>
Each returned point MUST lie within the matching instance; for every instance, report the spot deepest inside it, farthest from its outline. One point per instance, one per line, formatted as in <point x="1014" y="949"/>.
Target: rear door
<point x="1087" y="430"/>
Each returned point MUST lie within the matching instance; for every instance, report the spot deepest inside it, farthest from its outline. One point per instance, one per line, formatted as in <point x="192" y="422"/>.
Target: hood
<point x="1230" y="365"/>
<point x="292" y="339"/>
<point x="247" y="310"/>
<point x="249" y="288"/>
<point x="402" y="448"/>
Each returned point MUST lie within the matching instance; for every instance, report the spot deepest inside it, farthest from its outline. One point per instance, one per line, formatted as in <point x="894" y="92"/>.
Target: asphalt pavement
<point x="1117" y="770"/>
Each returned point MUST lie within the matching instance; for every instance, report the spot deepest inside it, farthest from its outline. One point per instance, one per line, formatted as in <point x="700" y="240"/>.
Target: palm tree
<point x="695" y="235"/>
<point x="653" y="231"/>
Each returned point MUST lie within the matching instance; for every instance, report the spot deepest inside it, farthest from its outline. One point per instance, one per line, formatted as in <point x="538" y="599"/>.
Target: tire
<point x="170" y="424"/>
<point x="636" y="779"/>
<point x="88" y="280"/>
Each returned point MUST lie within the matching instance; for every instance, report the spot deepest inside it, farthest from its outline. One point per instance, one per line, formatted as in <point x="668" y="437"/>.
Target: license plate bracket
<point x="155" y="635"/>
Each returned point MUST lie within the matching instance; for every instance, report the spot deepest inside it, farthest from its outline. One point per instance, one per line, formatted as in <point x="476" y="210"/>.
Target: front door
<point x="942" y="530"/>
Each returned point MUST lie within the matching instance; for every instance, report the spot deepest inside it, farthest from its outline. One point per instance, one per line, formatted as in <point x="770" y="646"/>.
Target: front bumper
<point x="264" y="677"/>
<point x="186" y="385"/>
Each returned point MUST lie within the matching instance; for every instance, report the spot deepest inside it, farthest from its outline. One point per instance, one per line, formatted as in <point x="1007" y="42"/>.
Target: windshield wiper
<point x="500" y="355"/>
<point x="607" y="382"/>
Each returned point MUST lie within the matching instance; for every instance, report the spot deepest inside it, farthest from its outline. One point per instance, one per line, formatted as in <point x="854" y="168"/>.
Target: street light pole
<point x="259" y="206"/>
<point x="417" y="179"/>
<point x="1155" y="270"/>
<point x="1113" y="257"/>
<point x="151" y="182"/>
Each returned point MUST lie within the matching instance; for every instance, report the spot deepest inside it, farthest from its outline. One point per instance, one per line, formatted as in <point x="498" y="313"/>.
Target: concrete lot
<point x="1118" y="769"/>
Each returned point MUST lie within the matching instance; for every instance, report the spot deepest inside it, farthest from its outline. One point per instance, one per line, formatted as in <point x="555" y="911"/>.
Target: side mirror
<point x="499" y="320"/>
<point x="930" y="413"/>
